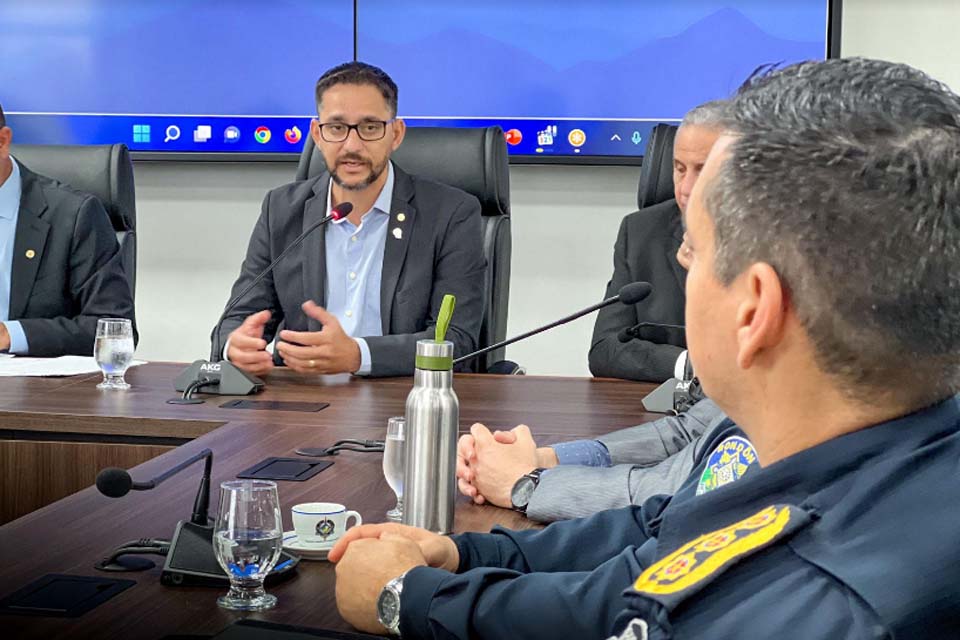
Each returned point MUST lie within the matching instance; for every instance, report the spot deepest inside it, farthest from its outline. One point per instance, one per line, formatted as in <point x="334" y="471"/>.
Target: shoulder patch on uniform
<point x="727" y="463"/>
<point x="636" y="629"/>
<point x="694" y="565"/>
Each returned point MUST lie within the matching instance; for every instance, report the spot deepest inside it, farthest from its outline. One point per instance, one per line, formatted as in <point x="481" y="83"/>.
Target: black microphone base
<point x="223" y="378"/>
<point x="192" y="562"/>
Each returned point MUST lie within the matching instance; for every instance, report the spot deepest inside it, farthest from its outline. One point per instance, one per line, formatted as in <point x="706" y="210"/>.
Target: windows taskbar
<point x="155" y="136"/>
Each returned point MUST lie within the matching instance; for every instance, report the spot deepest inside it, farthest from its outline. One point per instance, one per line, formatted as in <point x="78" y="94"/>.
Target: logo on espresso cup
<point x="325" y="528"/>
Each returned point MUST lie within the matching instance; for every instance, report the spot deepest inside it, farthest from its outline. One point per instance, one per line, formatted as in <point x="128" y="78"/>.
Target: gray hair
<point x="709" y="114"/>
<point x="844" y="175"/>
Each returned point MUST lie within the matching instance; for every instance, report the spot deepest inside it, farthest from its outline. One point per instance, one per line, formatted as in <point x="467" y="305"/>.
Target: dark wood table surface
<point x="71" y="534"/>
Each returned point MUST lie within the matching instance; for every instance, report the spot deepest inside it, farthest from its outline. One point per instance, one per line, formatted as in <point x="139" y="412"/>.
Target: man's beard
<point x="375" y="173"/>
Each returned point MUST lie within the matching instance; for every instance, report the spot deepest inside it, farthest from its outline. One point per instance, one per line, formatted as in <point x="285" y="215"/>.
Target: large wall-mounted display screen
<point x="567" y="81"/>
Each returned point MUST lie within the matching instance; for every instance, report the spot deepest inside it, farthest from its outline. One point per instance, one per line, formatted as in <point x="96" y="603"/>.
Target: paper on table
<point x="48" y="367"/>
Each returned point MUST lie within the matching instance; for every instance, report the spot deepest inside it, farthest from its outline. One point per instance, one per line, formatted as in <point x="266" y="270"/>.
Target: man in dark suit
<point x="60" y="265"/>
<point x="379" y="275"/>
<point x="646" y="249"/>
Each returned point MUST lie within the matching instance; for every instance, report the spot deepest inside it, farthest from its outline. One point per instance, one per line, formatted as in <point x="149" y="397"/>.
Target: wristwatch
<point x="523" y="490"/>
<point x="388" y="605"/>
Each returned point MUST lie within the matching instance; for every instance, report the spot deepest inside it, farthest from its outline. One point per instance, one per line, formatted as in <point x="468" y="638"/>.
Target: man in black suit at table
<point x="60" y="267"/>
<point x="358" y="293"/>
<point x="646" y="249"/>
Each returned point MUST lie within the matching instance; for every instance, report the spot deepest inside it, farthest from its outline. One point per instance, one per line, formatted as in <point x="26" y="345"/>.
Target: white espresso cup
<point x="318" y="522"/>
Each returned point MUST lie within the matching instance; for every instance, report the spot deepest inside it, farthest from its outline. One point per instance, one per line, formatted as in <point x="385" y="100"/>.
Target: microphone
<point x="220" y="376"/>
<point x="190" y="558"/>
<point x="655" y="332"/>
<point x="629" y="294"/>
<point x="116" y="483"/>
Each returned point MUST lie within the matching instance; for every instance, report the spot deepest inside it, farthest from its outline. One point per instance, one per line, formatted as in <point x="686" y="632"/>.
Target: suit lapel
<point x="315" y="248"/>
<point x="395" y="249"/>
<point x="30" y="240"/>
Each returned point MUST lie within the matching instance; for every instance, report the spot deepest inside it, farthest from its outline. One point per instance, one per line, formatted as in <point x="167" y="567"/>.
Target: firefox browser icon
<point x="292" y="135"/>
<point x="262" y="135"/>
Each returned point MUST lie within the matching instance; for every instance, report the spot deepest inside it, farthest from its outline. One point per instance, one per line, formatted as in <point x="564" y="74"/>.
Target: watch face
<point x="522" y="491"/>
<point x="388" y="608"/>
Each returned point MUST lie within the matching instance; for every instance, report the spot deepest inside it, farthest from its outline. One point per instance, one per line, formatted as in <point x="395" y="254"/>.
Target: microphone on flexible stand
<point x="190" y="558"/>
<point x="116" y="483"/>
<point x="680" y="392"/>
<point x="629" y="294"/>
<point x="660" y="333"/>
<point x="220" y="376"/>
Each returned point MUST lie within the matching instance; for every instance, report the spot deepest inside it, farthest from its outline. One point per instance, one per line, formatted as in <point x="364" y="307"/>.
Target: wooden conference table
<point x="56" y="433"/>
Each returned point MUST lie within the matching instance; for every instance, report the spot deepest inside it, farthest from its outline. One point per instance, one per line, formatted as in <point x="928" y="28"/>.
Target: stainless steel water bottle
<point x="433" y="418"/>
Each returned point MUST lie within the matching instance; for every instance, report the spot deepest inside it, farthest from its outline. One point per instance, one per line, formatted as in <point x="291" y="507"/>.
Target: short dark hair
<point x="3" y="118"/>
<point x="359" y="73"/>
<point x="844" y="175"/>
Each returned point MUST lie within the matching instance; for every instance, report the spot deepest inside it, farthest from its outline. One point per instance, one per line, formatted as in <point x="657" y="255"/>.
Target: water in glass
<point x="393" y="452"/>
<point x="248" y="539"/>
<point x="113" y="350"/>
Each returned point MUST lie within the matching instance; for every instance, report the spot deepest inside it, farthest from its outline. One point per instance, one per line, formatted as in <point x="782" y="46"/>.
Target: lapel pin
<point x="401" y="217"/>
<point x="397" y="233"/>
<point x="31" y="253"/>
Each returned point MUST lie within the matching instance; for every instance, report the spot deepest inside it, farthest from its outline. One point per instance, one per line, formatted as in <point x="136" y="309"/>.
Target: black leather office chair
<point x="656" y="172"/>
<point x="104" y="171"/>
<point x="474" y="160"/>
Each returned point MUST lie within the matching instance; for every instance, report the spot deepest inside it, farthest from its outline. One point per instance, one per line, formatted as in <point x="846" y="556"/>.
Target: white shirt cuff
<point x="365" y="364"/>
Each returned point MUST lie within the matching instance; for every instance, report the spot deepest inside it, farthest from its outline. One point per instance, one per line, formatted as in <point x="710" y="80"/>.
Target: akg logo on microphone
<point x="212" y="367"/>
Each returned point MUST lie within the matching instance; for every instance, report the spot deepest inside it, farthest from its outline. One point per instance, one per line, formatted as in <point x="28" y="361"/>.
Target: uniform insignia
<point x="636" y="629"/>
<point x="695" y="564"/>
<point x="30" y="254"/>
<point x="398" y="233"/>
<point x="727" y="463"/>
<point x="401" y="217"/>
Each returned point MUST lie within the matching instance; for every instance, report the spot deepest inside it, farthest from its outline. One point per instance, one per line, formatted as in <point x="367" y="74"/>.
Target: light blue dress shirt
<point x="355" y="269"/>
<point x="589" y="453"/>
<point x="9" y="212"/>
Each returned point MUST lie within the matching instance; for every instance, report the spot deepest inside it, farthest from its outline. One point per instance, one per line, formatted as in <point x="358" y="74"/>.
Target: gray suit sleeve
<point x="576" y="491"/>
<point x="460" y="270"/>
<point x="653" y="442"/>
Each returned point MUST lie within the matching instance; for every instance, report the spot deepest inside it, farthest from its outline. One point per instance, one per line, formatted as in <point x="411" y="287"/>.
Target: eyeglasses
<point x="368" y="130"/>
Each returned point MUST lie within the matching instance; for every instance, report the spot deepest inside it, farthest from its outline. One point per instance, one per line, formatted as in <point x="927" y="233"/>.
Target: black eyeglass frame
<point x="355" y="127"/>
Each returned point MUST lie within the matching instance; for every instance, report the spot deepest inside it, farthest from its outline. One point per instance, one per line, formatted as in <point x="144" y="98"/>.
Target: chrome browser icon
<point x="262" y="135"/>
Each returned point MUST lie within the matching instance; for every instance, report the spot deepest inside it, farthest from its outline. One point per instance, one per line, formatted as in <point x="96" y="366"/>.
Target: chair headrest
<point x="474" y="160"/>
<point x="104" y="171"/>
<point x="656" y="173"/>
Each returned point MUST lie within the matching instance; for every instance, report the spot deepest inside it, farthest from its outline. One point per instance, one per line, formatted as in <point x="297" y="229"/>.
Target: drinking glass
<point x="247" y="541"/>
<point x="393" y="464"/>
<point x="113" y="351"/>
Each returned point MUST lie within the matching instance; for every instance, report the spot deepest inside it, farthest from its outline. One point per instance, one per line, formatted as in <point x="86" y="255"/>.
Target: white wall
<point x="195" y="219"/>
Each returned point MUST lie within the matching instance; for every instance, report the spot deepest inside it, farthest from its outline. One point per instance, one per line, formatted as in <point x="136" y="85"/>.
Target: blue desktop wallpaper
<point x="564" y="78"/>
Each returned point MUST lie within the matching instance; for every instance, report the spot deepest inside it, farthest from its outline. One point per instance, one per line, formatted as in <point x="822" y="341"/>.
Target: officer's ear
<point x="761" y="314"/>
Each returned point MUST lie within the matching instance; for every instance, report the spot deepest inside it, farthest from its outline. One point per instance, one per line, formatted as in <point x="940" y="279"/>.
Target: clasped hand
<point x="371" y="555"/>
<point x="490" y="463"/>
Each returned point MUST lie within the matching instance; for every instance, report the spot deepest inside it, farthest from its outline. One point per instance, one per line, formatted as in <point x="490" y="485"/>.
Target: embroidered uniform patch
<point x="692" y="566"/>
<point x="727" y="463"/>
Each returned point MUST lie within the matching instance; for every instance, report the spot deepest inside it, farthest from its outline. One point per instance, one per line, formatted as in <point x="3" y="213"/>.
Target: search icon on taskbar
<point x="173" y="133"/>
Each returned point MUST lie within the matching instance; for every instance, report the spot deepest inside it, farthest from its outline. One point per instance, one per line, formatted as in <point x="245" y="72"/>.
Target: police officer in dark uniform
<point x="823" y="316"/>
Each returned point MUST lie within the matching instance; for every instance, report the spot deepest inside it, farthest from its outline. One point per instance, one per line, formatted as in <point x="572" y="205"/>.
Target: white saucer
<point x="306" y="550"/>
